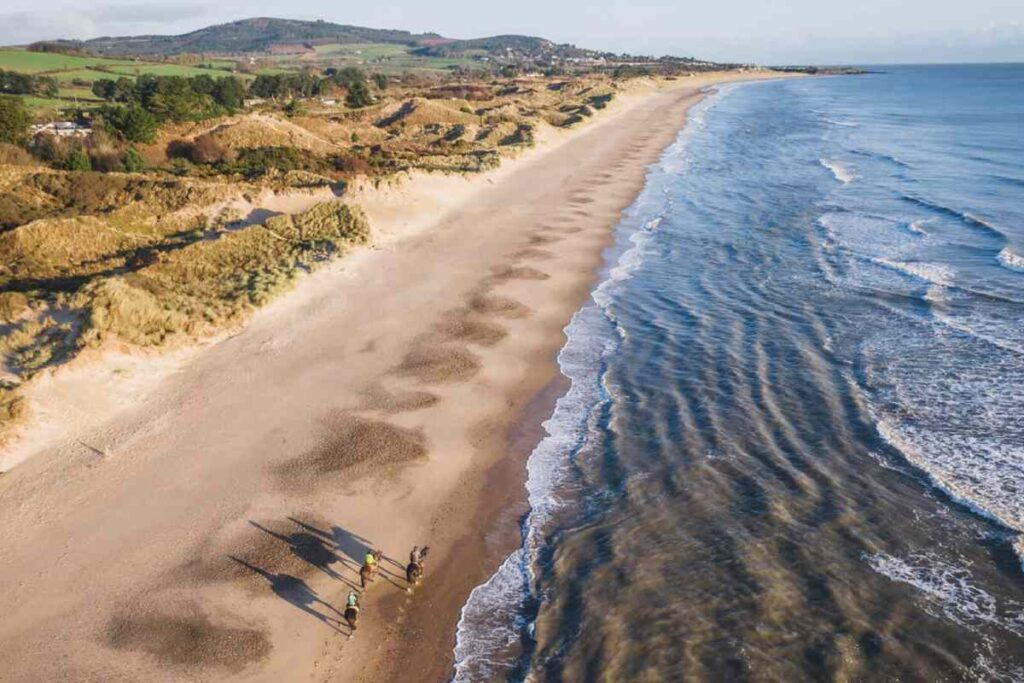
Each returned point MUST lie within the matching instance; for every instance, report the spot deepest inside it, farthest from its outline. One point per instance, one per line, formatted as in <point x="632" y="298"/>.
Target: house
<point x="62" y="129"/>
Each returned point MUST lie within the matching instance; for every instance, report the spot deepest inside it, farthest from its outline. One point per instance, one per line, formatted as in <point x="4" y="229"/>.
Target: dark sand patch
<point x="188" y="640"/>
<point x="439" y="363"/>
<point x="544" y="239"/>
<point x="503" y="273"/>
<point x="379" y="398"/>
<point x="279" y="546"/>
<point x="531" y="253"/>
<point x="350" y="443"/>
<point x="463" y="326"/>
<point x="499" y="306"/>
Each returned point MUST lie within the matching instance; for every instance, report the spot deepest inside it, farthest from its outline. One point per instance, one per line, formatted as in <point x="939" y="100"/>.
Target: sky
<point x="761" y="31"/>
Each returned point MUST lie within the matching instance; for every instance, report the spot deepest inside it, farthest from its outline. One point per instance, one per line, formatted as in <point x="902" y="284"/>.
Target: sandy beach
<point x="202" y="515"/>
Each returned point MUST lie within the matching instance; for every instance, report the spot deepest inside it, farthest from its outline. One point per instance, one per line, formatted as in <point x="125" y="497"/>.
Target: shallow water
<point x="793" y="448"/>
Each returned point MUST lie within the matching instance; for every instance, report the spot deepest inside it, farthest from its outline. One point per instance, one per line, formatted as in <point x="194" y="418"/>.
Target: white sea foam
<point x="934" y="273"/>
<point x="963" y="434"/>
<point x="841" y="172"/>
<point x="949" y="591"/>
<point x="1009" y="258"/>
<point x="917" y="226"/>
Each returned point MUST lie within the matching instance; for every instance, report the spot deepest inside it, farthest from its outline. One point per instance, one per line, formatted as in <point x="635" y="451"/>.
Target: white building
<point x="63" y="129"/>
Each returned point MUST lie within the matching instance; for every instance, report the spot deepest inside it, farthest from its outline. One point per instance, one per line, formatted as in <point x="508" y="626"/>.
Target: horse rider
<point x="370" y="560"/>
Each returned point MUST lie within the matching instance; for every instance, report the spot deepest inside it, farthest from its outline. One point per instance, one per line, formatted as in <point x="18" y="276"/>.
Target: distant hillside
<point x="249" y="35"/>
<point x="497" y="45"/>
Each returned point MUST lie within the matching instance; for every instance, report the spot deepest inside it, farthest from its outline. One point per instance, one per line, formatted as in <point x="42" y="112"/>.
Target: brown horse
<point x="368" y="569"/>
<point x="352" y="616"/>
<point x="414" y="570"/>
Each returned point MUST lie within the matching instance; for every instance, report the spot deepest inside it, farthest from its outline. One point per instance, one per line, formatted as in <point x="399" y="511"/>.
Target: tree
<point x="347" y="76"/>
<point x="104" y="89"/>
<point x="77" y="160"/>
<point x="381" y="81"/>
<point x="14" y="120"/>
<point x="229" y="93"/>
<point x="132" y="122"/>
<point x="358" y="95"/>
<point x="294" y="108"/>
<point x="133" y="161"/>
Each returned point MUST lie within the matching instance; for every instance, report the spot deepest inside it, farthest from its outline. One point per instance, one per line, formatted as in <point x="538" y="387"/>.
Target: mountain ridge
<point x="261" y="34"/>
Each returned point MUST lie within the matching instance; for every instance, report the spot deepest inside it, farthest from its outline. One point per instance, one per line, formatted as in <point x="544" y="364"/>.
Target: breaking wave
<point x="1009" y="258"/>
<point x="840" y="172"/>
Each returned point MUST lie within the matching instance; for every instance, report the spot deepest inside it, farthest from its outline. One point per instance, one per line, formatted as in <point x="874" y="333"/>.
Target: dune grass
<point x="71" y="283"/>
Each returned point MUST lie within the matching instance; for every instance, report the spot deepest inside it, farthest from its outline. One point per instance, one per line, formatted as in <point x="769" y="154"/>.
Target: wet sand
<point x="212" y="528"/>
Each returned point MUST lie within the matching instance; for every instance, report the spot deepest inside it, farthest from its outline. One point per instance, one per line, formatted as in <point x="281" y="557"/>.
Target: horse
<point x="414" y="570"/>
<point x="367" y="571"/>
<point x="352" y="616"/>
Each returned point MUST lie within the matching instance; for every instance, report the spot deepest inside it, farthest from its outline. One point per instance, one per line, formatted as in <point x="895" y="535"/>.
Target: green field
<point x="67" y="68"/>
<point x="89" y="75"/>
<point x="364" y="51"/>
<point x="384" y="58"/>
<point x="80" y="94"/>
<point x="140" y="68"/>
<point x="42" y="62"/>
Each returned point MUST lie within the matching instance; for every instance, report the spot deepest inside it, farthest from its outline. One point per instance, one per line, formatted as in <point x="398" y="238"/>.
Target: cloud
<point x="82" y="22"/>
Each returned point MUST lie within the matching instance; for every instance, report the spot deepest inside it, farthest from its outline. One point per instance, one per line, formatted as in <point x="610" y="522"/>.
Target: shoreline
<point x="447" y="391"/>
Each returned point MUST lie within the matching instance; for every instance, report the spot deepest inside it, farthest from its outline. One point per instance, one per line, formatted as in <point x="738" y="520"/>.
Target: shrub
<point x="77" y="160"/>
<point x="455" y="132"/>
<point x="352" y="165"/>
<point x="132" y="123"/>
<point x="13" y="155"/>
<point x="254" y="162"/>
<point x="180" y="166"/>
<point x="294" y="108"/>
<point x="14" y="120"/>
<point x="12" y="304"/>
<point x="106" y="161"/>
<point x="206" y="150"/>
<point x="358" y="95"/>
<point x="133" y="161"/>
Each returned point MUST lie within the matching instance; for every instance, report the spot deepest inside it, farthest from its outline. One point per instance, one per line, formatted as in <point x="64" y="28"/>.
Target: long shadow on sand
<point x="353" y="548"/>
<point x="296" y="592"/>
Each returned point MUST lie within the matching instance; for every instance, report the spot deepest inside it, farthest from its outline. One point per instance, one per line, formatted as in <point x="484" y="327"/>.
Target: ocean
<point x="793" y="445"/>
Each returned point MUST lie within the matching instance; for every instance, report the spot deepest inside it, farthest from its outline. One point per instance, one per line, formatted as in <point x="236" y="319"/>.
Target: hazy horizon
<point x="798" y="31"/>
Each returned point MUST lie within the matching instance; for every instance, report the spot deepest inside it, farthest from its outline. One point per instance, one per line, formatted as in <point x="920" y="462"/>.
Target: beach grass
<point x="80" y="281"/>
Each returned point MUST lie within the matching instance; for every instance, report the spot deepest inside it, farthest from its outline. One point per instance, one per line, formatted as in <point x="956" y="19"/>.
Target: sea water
<point x="793" y="444"/>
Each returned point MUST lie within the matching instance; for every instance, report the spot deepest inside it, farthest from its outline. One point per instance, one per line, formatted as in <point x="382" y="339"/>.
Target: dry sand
<point x="203" y="517"/>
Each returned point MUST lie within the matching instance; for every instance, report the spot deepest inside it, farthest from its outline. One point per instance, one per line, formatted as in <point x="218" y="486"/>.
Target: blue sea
<point x="793" y="445"/>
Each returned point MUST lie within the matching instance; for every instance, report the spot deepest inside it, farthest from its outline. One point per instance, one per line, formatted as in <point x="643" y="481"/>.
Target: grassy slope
<point x="67" y="68"/>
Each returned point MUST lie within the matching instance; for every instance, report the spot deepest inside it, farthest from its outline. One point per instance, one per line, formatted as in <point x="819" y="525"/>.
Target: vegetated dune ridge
<point x="89" y="260"/>
<point x="213" y="527"/>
